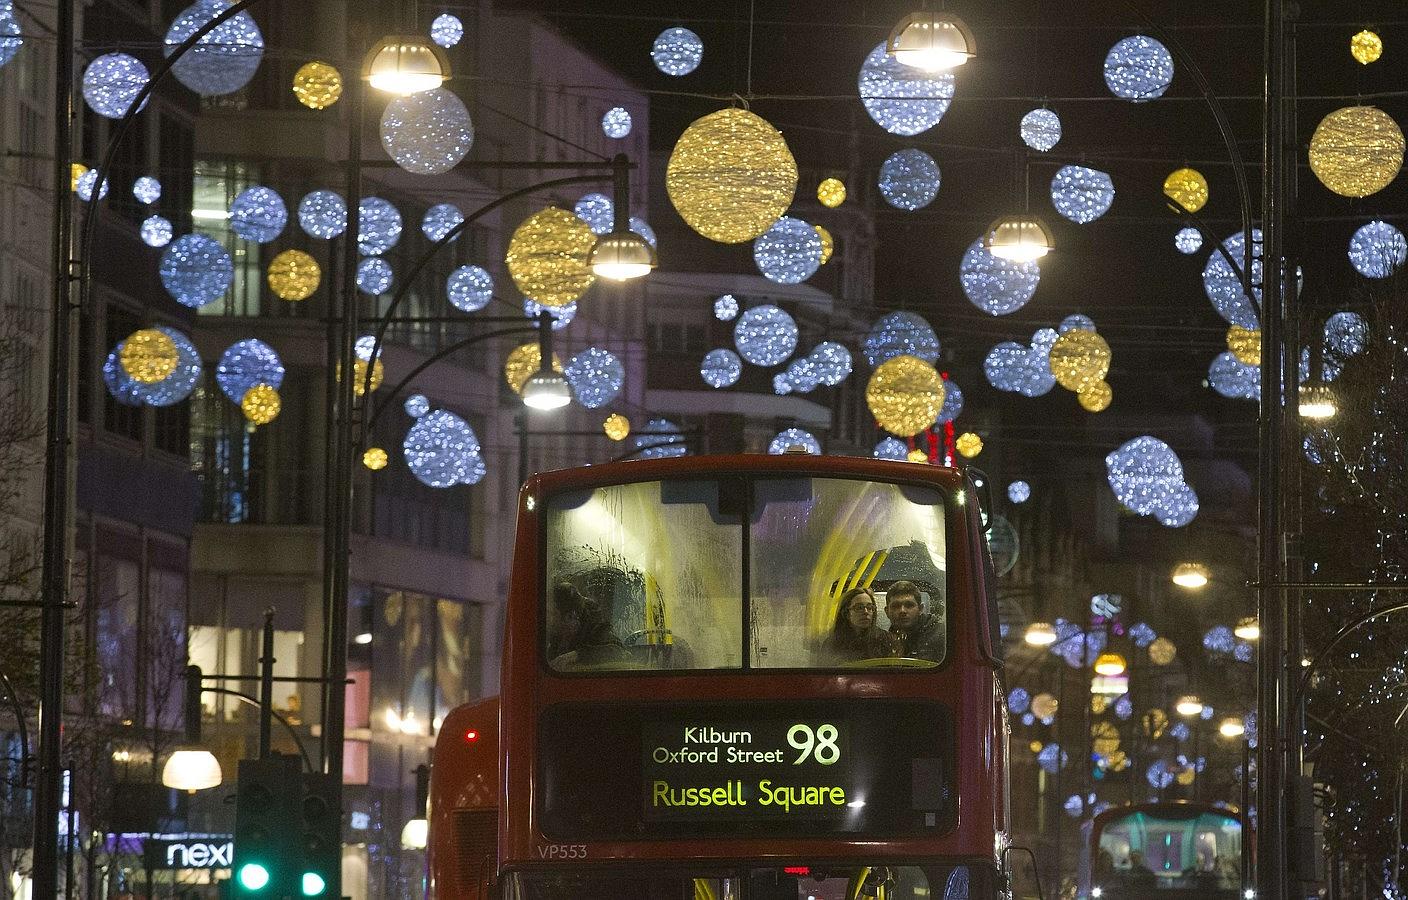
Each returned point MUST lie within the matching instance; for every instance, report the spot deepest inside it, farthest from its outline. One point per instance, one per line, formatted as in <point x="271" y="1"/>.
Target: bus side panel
<point x="464" y="791"/>
<point x="518" y="673"/>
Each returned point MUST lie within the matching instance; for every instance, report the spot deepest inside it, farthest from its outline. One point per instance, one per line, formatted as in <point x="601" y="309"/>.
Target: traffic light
<point x="318" y="851"/>
<point x="266" y="817"/>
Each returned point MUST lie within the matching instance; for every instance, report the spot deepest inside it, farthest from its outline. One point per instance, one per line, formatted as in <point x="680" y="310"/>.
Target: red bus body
<point x="486" y="753"/>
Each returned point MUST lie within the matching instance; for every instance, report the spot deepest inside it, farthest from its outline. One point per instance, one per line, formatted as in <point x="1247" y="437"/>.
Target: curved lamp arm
<point x="303" y="751"/>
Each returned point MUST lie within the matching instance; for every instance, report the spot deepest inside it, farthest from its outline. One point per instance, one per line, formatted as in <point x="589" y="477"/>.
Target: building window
<point x="217" y="184"/>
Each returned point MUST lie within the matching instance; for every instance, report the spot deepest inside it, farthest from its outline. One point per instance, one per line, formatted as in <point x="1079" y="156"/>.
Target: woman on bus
<point x="854" y="635"/>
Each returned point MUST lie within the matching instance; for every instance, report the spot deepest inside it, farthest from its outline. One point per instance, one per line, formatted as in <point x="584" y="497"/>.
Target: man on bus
<point x="582" y="634"/>
<point x="920" y="634"/>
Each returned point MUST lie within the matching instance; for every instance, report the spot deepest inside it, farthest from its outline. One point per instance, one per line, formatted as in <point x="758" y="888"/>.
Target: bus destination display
<point x="769" y="768"/>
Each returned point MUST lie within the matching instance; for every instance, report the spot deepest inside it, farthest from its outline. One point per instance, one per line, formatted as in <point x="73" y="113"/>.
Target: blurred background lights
<point x="721" y="368"/>
<point x="953" y="403"/>
<point x="111" y="84"/>
<point x="469" y="288"/>
<point x="87" y="182"/>
<point x="1041" y="129"/>
<point x="1019" y="492"/>
<point x="895" y="449"/>
<point x="1081" y="194"/>
<point x="789" y="252"/>
<point x="909" y="179"/>
<point x="995" y="285"/>
<point x="225" y="59"/>
<point x="901" y="99"/>
<point x="427" y="132"/>
<point x="196" y="270"/>
<point x="258" y="214"/>
<point x="642" y="228"/>
<point x="440" y="220"/>
<point x="446" y="30"/>
<point x="726" y="308"/>
<point x="616" y="122"/>
<point x="322" y="214"/>
<point x="560" y="316"/>
<point x="156" y="231"/>
<point x="677" y="51"/>
<point x="765" y="335"/>
<point x="661" y="440"/>
<point x="416" y="405"/>
<point x="789" y="439"/>
<point x="1138" y="68"/>
<point x="146" y="189"/>
<point x="11" y="38"/>
<point x="1377" y="249"/>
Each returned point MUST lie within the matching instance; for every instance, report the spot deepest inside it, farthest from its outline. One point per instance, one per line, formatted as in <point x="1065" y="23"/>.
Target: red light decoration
<point x="471" y="736"/>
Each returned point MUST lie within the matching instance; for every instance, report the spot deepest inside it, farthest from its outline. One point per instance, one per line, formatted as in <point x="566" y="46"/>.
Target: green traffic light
<point x="313" y="884"/>
<point x="253" y="876"/>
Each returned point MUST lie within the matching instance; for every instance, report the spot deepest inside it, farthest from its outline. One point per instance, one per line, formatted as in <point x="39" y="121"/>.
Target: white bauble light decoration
<point x="901" y="99"/>
<point x="596" y="377"/>
<point x="1081" y="194"/>
<point x="427" y="132"/>
<point x="111" y="84"/>
<point x="616" y="122"/>
<point x="225" y="59"/>
<point x="258" y="214"/>
<point x="1377" y="250"/>
<point x="146" y="189"/>
<point x="1138" y="68"/>
<point x="1041" y="129"/>
<point x="677" y="51"/>
<point x="156" y="231"/>
<point x="790" y="438"/>
<point x="470" y="288"/>
<point x="322" y="214"/>
<point x="1188" y="240"/>
<point x="721" y="368"/>
<point x="995" y="285"/>
<point x="1223" y="283"/>
<point x="789" y="252"/>
<point x="597" y="211"/>
<point x="440" y="220"/>
<point x="909" y="179"/>
<point x="446" y="30"/>
<point x="901" y="333"/>
<point x="765" y="335"/>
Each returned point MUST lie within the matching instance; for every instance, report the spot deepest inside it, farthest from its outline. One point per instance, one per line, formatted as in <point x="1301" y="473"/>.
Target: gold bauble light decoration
<point x="828" y="244"/>
<point x="1044" y="706"/>
<point x="1162" y="651"/>
<point x="317" y="84"/>
<point x="1096" y="397"/>
<point x="1186" y="775"/>
<point x="1155" y="722"/>
<point x="523" y="363"/>
<point x="1245" y="344"/>
<point x="75" y="172"/>
<point x="1356" y="151"/>
<point x="1078" y="358"/>
<point x="917" y="456"/>
<point x="1099" y="703"/>
<point x="375" y="459"/>
<point x="1104" y="736"/>
<point x="969" y="445"/>
<point x="1188" y="188"/>
<point x="261" y="404"/>
<point x="359" y="375"/>
<point x="617" y="427"/>
<point x="731" y="176"/>
<point x="905" y="395"/>
<point x="831" y="193"/>
<point x="294" y="275"/>
<point x="148" y="356"/>
<point x="1035" y="746"/>
<point x="548" y="257"/>
<point x="1366" y="47"/>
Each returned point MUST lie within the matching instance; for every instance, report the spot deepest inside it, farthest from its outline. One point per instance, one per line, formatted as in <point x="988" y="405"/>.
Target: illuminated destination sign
<point x="757" y="768"/>
<point x="761" y="768"/>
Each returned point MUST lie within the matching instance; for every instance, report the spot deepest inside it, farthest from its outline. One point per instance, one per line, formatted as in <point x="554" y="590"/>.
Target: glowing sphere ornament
<point x="953" y="403"/>
<point x="195" y="270"/>
<point x="1096" y="397"/>
<point x="1075" y="321"/>
<point x="905" y="395"/>
<point x="1019" y="492"/>
<point x="178" y="385"/>
<point x="416" y="405"/>
<point x="1223" y="283"/>
<point x="523" y="362"/>
<point x="898" y="333"/>
<point x="11" y="37"/>
<point x="789" y="439"/>
<point x="560" y="316"/>
<point x="1188" y="188"/>
<point x="148" y="356"/>
<point x="322" y="214"/>
<point x="597" y="211"/>
<point x="146" y="189"/>
<point x="802" y="375"/>
<point x="1245" y="344"/>
<point x="1079" y="358"/>
<point x="616" y="122"/>
<point x="617" y="427"/>
<point x="765" y="335"/>
<point x="595" y="376"/>
<point x="1052" y="758"/>
<point x="547" y="257"/>
<point x="721" y="368"/>
<point x="1377" y="250"/>
<point x="427" y="132"/>
<point x="111" y="84"/>
<point x="642" y="228"/>
<point x="909" y="179"/>
<point x="1233" y="378"/>
<point x="88" y="185"/>
<point x="446" y="30"/>
<point x="374" y="276"/>
<point x="1138" y="68"/>
<point x="294" y="275"/>
<point x="378" y="226"/>
<point x="1041" y="129"/>
<point x="123" y="388"/>
<point x="893" y="449"/>
<point x="1366" y="47"/>
<point x="660" y="439"/>
<point x="1144" y="474"/>
<point x="731" y="176"/>
<point x="360" y="384"/>
<point x="831" y="362"/>
<point x="469" y="288"/>
<point x="260" y="404"/>
<point x="258" y="214"/>
<point x="995" y="285"/>
<point x="375" y="458"/>
<point x="247" y="363"/>
<point x="317" y="84"/>
<point x="1188" y="240"/>
<point x="726" y="308"/>
<point x="902" y="99"/>
<point x="780" y="384"/>
<point x="677" y="51"/>
<point x="789" y="252"/>
<point x="1081" y="194"/>
<point x="831" y="193"/>
<point x="1346" y="334"/>
<point x="1356" y="151"/>
<point x="225" y="59"/>
<point x="156" y="231"/>
<point x="440" y="220"/>
<point x="442" y="451"/>
<point x="969" y="445"/>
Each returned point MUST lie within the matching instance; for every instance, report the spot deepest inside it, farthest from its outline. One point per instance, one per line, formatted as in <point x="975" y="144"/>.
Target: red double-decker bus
<point x="677" y="720"/>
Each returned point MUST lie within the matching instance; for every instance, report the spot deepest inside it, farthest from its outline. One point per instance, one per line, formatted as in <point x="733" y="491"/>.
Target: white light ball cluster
<point x="597" y="211"/>
<point x="322" y="214"/>
<point x="247" y="363"/>
<point x="1076" y="322"/>
<point x="1022" y="370"/>
<point x="156" y="231"/>
<point x="891" y="448"/>
<point x="1138" y="68"/>
<point x="677" y="51"/>
<point x="995" y="285"/>
<point x="662" y="440"/>
<point x="11" y="37"/>
<point x="1233" y="378"/>
<point x="726" y="308"/>
<point x="1041" y="129"/>
<point x="112" y="82"/>
<point x="87" y="182"/>
<point x="831" y="361"/>
<point x="1188" y="240"/>
<point x="469" y="288"/>
<point x="225" y="59"/>
<point x="765" y="335"/>
<point x="146" y="189"/>
<point x="1377" y="250"/>
<point x="196" y="270"/>
<point x="616" y="122"/>
<point x="446" y="30"/>
<point x="1147" y="478"/>
<point x="416" y="405"/>
<point x="901" y="333"/>
<point x="1082" y="194"/>
<point x="1223" y="284"/>
<point x="596" y="377"/>
<point x="427" y="132"/>
<point x="909" y="179"/>
<point x="789" y="252"/>
<point x="440" y="220"/>
<point x="794" y="437"/>
<point x="374" y="276"/>
<point x="902" y="99"/>
<point x="561" y="316"/>
<point x="642" y="228"/>
<point x="953" y="403"/>
<point x="442" y="450"/>
<point x="258" y="214"/>
<point x="721" y="368"/>
<point x="378" y="226"/>
<point x="172" y="389"/>
<point x="1019" y="492"/>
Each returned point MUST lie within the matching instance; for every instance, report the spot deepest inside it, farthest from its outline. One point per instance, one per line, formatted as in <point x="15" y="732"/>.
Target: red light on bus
<point x="471" y="736"/>
<point x="797" y="870"/>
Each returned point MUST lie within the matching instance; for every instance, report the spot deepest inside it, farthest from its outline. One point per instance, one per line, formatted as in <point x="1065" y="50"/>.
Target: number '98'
<point x="819" y="744"/>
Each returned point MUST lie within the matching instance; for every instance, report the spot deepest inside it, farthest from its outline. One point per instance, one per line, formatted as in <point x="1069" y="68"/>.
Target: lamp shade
<point x="1019" y="238"/>
<point x="621" y="256"/>
<point x="1248" y="629"/>
<point x="1040" y="634"/>
<point x="416" y="834"/>
<point x="1109" y="664"/>
<point x="192" y="769"/>
<point x="1190" y="575"/>
<point x="406" y="64"/>
<point x="1317" y="401"/>
<point x="546" y="390"/>
<point x="931" y="41"/>
<point x="1189" y="705"/>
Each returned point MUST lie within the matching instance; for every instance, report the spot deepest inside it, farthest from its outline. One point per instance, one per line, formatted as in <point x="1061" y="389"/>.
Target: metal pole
<point x="266" y="686"/>
<point x="57" y="496"/>
<point x="1271" y="760"/>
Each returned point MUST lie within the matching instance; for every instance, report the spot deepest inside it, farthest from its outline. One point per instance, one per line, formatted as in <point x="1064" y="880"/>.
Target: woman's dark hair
<point x="842" y="625"/>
